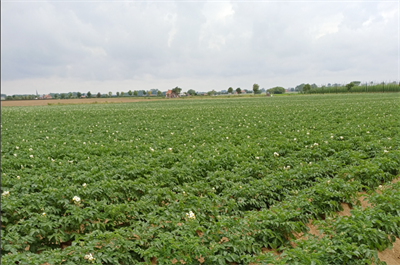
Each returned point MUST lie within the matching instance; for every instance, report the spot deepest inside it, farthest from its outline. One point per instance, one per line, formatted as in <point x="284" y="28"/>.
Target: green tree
<point x="191" y="92"/>
<point x="69" y="95"/>
<point x="88" y="94"/>
<point x="117" y="94"/>
<point x="176" y="90"/>
<point x="110" y="94"/>
<point x="122" y="93"/>
<point x="135" y="93"/>
<point x="159" y="93"/>
<point x="349" y="86"/>
<point x="98" y="95"/>
<point x="238" y="90"/>
<point x="230" y="90"/>
<point x="79" y="94"/>
<point x="130" y="93"/>
<point x="149" y="93"/>
<point x="306" y="88"/>
<point x="276" y="90"/>
<point x="211" y="93"/>
<point x="62" y="96"/>
<point x="55" y="96"/>
<point x="256" y="88"/>
<point x="299" y="87"/>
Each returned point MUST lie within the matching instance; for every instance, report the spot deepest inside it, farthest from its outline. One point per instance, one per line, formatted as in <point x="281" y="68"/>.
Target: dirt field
<point x="10" y="103"/>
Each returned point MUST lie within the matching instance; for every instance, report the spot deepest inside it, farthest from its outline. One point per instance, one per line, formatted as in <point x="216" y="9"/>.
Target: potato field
<point x="210" y="181"/>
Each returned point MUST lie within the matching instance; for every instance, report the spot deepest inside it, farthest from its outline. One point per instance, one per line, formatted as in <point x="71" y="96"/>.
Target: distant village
<point x="172" y="93"/>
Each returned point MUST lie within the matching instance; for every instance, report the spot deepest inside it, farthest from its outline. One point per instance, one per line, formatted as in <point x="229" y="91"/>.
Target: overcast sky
<point x="102" y="46"/>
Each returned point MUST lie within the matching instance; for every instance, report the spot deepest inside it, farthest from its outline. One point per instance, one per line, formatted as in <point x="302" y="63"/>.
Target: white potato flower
<point x="5" y="193"/>
<point x="385" y="151"/>
<point x="76" y="199"/>
<point x="31" y="156"/>
<point x="17" y="147"/>
<point x="169" y="149"/>
<point x="276" y="154"/>
<point x="43" y="214"/>
<point x="341" y="137"/>
<point x="30" y="149"/>
<point x="190" y="215"/>
<point x="295" y="139"/>
<point x="257" y="157"/>
<point x="18" y="177"/>
<point x="15" y="155"/>
<point x="84" y="185"/>
<point x="89" y="257"/>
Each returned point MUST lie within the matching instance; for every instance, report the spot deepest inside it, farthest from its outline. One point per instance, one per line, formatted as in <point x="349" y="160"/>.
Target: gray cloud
<point x="114" y="46"/>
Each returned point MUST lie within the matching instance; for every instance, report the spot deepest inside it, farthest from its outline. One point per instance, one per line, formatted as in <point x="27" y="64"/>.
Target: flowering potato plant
<point x="200" y="181"/>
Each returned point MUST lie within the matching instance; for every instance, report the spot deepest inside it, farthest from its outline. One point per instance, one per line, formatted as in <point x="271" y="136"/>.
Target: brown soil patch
<point x="199" y="233"/>
<point x="391" y="256"/>
<point x="41" y="102"/>
<point x="346" y="210"/>
<point x="269" y="250"/>
<point x="395" y="180"/>
<point x="363" y="198"/>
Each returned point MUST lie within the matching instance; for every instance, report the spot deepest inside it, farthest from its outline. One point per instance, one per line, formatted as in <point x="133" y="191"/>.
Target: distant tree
<point x="149" y="93"/>
<point x="62" y="96"/>
<point x="292" y="89"/>
<point x="98" y="95"/>
<point x="130" y="93"/>
<point x="349" y="86"/>
<point x="69" y="95"/>
<point x="110" y="94"/>
<point x="88" y="94"/>
<point x="159" y="93"/>
<point x="276" y="90"/>
<point x="306" y="88"/>
<point x="55" y="96"/>
<point x="299" y="87"/>
<point x="122" y="93"/>
<point x="135" y="93"/>
<point x="230" y="90"/>
<point x="191" y="92"/>
<point x="256" y="88"/>
<point x="117" y="94"/>
<point x="79" y="94"/>
<point x="211" y="93"/>
<point x="176" y="90"/>
<point x="238" y="90"/>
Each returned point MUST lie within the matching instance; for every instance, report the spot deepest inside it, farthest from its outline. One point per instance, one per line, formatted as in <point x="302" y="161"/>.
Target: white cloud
<point x="63" y="46"/>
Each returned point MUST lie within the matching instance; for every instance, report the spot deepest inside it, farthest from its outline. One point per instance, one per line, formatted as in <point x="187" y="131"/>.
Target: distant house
<point x="47" y="96"/>
<point x="171" y="94"/>
<point x="243" y="92"/>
